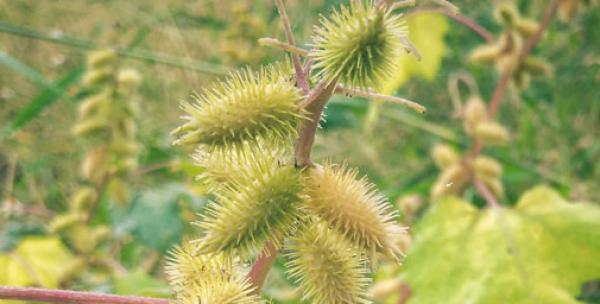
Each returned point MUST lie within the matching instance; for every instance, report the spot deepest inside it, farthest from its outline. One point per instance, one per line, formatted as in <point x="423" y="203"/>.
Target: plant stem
<point x="261" y="267"/>
<point x="300" y="76"/>
<point x="485" y="193"/>
<point x="464" y="20"/>
<point x="72" y="297"/>
<point x="267" y="41"/>
<point x="549" y="13"/>
<point x="314" y="104"/>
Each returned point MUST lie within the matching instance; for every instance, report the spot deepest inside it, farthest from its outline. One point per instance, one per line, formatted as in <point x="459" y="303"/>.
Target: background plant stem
<point x="68" y="296"/>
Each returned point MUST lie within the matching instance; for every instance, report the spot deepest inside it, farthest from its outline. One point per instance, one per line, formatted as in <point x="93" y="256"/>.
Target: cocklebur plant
<point x="504" y="53"/>
<point x="253" y="135"/>
<point x="107" y="123"/>
<point x="459" y="171"/>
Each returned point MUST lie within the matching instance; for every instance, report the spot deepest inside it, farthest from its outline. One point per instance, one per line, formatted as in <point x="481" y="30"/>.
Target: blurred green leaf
<point x="539" y="252"/>
<point x="24" y="69"/>
<point x="154" y="217"/>
<point x="140" y="284"/>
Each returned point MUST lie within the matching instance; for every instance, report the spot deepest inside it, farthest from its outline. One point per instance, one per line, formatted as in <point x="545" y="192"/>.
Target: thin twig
<point x="300" y="76"/>
<point x="261" y="267"/>
<point x="374" y="95"/>
<point x="72" y="297"/>
<point x="462" y="19"/>
<point x="485" y="193"/>
<point x="549" y="13"/>
<point x="267" y="41"/>
<point x="403" y="4"/>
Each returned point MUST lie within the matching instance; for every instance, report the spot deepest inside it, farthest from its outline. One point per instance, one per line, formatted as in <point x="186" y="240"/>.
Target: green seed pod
<point x="247" y="106"/>
<point x="95" y="164"/>
<point x="96" y="77"/>
<point x="83" y="198"/>
<point x="507" y="13"/>
<point x="492" y="133"/>
<point x="65" y="221"/>
<point x="100" y="233"/>
<point x="354" y="207"/>
<point x="485" y="53"/>
<point x="129" y="78"/>
<point x="359" y="45"/>
<point x="214" y="278"/>
<point x="101" y="59"/>
<point x="326" y="266"/>
<point x="90" y="126"/>
<point x="259" y="202"/>
<point x="94" y="105"/>
<point x="537" y="66"/>
<point x="474" y="114"/>
<point x="444" y="156"/>
<point x="221" y="165"/>
<point x="527" y="27"/>
<point x="81" y="237"/>
<point x="487" y="166"/>
<point x="452" y="181"/>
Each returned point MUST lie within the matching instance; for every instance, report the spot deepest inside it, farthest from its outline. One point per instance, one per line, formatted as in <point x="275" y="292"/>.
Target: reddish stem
<point x="464" y="20"/>
<point x="261" y="267"/>
<point x="72" y="297"/>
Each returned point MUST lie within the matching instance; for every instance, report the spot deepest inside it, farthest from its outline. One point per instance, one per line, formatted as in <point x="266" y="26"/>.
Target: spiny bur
<point x="207" y="279"/>
<point x="358" y="45"/>
<point x="258" y="201"/>
<point x="326" y="266"/>
<point x="354" y="207"/>
<point x="247" y="105"/>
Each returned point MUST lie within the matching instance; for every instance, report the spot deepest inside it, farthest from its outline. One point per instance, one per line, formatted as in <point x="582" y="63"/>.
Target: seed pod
<point x="474" y="113"/>
<point x="452" y="181"/>
<point x="207" y="278"/>
<point x="522" y="78"/>
<point x="101" y="59"/>
<point x="360" y="45"/>
<point x="100" y="233"/>
<point x="94" y="165"/>
<point x="507" y="13"/>
<point x="492" y="133"/>
<point x="444" y="156"/>
<point x="260" y="202"/>
<point x="409" y="205"/>
<point x="83" y="198"/>
<point x="80" y="236"/>
<point x="487" y="166"/>
<point x="354" y="207"/>
<point x="117" y="190"/>
<point x="93" y="105"/>
<point x="527" y="27"/>
<point x="247" y="106"/>
<point x="65" y="221"/>
<point x="90" y="126"/>
<point x="96" y="77"/>
<point x="129" y="78"/>
<point x="485" y="53"/>
<point x="537" y="66"/>
<point x="326" y="266"/>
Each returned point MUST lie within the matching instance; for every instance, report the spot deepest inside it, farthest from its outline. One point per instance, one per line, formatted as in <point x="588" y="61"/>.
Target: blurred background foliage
<point x="180" y="46"/>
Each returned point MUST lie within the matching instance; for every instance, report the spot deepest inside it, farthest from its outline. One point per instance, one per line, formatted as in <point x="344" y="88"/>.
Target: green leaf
<point x="40" y="102"/>
<point x="539" y="252"/>
<point x="154" y="217"/>
<point x="24" y="69"/>
<point x="140" y="284"/>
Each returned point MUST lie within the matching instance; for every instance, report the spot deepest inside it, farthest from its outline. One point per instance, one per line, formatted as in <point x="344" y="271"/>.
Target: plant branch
<point x="267" y="41"/>
<point x="262" y="265"/>
<point x="485" y="193"/>
<point x="464" y="20"/>
<point x="72" y="297"/>
<point x="403" y="4"/>
<point x="549" y="13"/>
<point x="372" y="94"/>
<point x="300" y="76"/>
<point x="314" y="104"/>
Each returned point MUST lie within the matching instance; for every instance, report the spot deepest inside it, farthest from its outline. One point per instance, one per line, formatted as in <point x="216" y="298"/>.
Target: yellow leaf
<point x="426" y="32"/>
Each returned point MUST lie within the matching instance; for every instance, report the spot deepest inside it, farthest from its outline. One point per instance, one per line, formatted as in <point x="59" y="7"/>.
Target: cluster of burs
<point x="106" y="126"/>
<point x="329" y="223"/>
